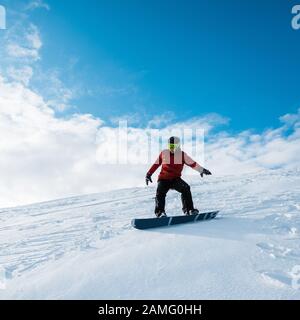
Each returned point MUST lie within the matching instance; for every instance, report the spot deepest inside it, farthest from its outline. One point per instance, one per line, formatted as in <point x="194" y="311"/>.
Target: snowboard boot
<point x="160" y="214"/>
<point x="191" y="212"/>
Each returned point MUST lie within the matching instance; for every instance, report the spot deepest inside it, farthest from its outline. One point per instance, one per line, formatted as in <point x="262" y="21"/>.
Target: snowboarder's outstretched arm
<point x="194" y="165"/>
<point x="153" y="168"/>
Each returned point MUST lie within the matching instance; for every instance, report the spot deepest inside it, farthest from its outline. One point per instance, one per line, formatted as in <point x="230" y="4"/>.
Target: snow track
<point x="85" y="247"/>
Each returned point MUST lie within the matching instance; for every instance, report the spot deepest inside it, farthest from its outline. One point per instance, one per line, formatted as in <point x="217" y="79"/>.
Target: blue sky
<point x="239" y="59"/>
<point x="70" y="69"/>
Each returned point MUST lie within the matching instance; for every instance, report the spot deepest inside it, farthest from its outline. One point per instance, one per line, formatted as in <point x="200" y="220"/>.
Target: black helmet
<point x="174" y="140"/>
<point x="173" y="143"/>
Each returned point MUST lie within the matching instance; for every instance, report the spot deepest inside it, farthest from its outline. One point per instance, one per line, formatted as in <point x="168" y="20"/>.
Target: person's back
<point x="172" y="161"/>
<point x="172" y="164"/>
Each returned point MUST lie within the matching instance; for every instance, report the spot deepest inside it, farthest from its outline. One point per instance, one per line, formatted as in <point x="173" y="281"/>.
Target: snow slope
<point x="84" y="247"/>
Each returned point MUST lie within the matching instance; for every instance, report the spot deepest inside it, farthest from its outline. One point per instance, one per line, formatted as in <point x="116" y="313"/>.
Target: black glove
<point x="148" y="179"/>
<point x="205" y="171"/>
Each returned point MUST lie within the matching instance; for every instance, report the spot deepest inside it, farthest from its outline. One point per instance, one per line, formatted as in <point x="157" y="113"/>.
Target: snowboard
<point x="169" y="221"/>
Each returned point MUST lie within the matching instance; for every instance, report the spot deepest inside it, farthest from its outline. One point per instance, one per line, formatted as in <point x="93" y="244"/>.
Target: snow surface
<point x="85" y="248"/>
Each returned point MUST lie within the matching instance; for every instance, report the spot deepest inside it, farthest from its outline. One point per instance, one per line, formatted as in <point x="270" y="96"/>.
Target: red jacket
<point x="172" y="164"/>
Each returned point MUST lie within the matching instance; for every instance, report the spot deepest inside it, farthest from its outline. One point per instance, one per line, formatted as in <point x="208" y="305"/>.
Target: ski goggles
<point x="173" y="146"/>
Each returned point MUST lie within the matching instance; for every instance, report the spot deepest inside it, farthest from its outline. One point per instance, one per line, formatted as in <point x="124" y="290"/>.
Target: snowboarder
<point x="172" y="161"/>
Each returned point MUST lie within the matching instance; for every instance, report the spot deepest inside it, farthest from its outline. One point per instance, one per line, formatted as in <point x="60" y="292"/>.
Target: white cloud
<point x="37" y="4"/>
<point x="20" y="52"/>
<point x="291" y="119"/>
<point x="246" y="151"/>
<point x="45" y="157"/>
<point x="206" y="122"/>
<point x="56" y="94"/>
<point x="33" y="38"/>
<point x="161" y="120"/>
<point x="15" y="50"/>
<point x="42" y="156"/>
<point x="131" y="119"/>
<point x="21" y="74"/>
<point x="25" y="45"/>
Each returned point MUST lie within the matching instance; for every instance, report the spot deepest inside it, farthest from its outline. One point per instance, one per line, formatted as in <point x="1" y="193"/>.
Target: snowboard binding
<point x="160" y="214"/>
<point x="191" y="212"/>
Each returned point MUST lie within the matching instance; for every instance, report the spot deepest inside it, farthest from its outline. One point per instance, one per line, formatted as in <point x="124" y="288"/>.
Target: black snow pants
<point x="163" y="186"/>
